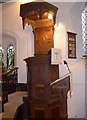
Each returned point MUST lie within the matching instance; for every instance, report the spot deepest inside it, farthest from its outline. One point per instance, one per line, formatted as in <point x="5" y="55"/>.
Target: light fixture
<point x="25" y="1"/>
<point x="50" y="16"/>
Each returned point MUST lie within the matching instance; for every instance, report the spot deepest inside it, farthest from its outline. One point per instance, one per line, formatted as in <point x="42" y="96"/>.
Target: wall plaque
<point x="71" y="45"/>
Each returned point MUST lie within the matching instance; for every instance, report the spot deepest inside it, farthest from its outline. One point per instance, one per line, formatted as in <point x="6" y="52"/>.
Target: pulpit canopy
<point x="37" y="11"/>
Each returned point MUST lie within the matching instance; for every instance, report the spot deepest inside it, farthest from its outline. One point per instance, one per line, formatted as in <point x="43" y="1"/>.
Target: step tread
<point x="11" y="104"/>
<point x="17" y="97"/>
<point x="6" y="115"/>
<point x="19" y="93"/>
<point x="14" y="100"/>
<point x="10" y="107"/>
<point x="0" y="98"/>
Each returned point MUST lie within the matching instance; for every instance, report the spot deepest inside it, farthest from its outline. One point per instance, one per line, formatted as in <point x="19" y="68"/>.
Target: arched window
<point x="10" y="56"/>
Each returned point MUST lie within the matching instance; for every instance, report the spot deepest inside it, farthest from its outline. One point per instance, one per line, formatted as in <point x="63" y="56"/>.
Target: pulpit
<point x="45" y="100"/>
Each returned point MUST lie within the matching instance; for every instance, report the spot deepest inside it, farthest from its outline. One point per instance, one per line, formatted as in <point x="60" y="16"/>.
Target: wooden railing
<point x="9" y="82"/>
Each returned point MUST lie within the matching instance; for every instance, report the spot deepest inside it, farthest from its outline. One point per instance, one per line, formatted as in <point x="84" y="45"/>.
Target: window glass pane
<point x="1" y="54"/>
<point x="84" y="31"/>
<point x="10" y="56"/>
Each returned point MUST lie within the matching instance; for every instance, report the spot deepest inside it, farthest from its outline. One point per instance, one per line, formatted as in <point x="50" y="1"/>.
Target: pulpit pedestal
<point x="46" y="101"/>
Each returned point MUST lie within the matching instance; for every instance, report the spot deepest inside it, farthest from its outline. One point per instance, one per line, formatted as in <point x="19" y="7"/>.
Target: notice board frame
<point x="72" y="45"/>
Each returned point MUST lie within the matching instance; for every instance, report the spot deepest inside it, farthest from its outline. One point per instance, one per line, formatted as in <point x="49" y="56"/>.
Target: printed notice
<point x="56" y="57"/>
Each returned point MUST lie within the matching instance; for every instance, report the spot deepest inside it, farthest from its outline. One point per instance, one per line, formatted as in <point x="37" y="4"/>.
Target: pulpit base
<point x="55" y="111"/>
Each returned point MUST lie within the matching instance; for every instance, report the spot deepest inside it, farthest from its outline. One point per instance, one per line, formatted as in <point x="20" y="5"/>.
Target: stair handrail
<point x="9" y="80"/>
<point x="10" y="71"/>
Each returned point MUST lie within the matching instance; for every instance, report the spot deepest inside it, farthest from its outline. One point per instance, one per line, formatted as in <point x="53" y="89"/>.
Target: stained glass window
<point x="84" y="30"/>
<point x="10" y="56"/>
<point x="1" y="53"/>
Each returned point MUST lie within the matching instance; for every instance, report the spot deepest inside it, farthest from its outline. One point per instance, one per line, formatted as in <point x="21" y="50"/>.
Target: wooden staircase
<point x="14" y="100"/>
<point x="11" y="94"/>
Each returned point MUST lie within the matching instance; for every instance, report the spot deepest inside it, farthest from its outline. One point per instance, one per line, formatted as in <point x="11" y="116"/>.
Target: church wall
<point x="67" y="19"/>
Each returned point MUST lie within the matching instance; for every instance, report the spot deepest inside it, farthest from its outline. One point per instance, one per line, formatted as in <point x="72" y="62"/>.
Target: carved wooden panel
<point x="41" y="74"/>
<point x="43" y="40"/>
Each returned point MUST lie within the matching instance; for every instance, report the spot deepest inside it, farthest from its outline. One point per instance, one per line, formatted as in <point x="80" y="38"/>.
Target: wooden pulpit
<point x="45" y="100"/>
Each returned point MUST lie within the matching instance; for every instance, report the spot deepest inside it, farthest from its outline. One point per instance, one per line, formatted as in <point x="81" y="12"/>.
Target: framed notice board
<point x="71" y="45"/>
